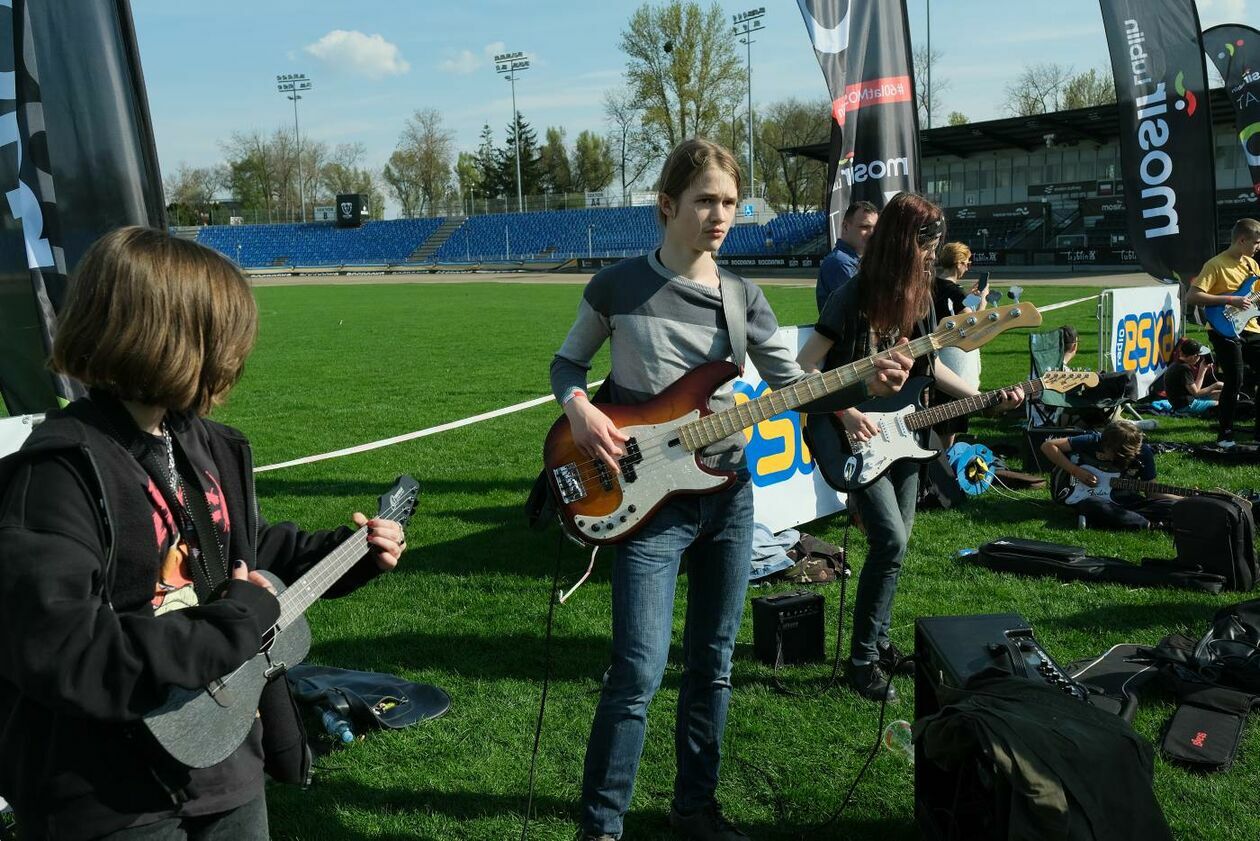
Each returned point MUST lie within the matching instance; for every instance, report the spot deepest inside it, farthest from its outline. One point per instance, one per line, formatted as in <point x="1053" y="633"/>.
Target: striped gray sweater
<point x="663" y="325"/>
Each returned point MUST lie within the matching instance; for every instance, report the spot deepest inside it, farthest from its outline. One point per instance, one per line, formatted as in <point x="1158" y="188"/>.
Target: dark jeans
<point x="244" y="823"/>
<point x="1233" y="358"/>
<point x="1136" y="514"/>
<point x="716" y="532"/>
<point x="887" y="511"/>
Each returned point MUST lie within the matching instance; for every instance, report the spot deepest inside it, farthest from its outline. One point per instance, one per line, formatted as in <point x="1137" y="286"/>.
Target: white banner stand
<point x="788" y="489"/>
<point x="13" y="431"/>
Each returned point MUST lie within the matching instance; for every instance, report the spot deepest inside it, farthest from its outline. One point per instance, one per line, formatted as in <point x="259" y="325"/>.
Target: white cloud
<point x="366" y="55"/>
<point x="469" y="61"/>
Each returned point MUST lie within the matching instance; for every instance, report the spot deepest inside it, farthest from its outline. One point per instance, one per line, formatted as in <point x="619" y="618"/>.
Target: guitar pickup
<point x="569" y="483"/>
<point x="605" y="477"/>
<point x="632" y="457"/>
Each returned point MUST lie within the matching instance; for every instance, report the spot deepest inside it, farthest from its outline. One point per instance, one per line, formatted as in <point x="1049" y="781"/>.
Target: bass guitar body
<point x="600" y="506"/>
<point x="1231" y="321"/>
<point x="203" y="726"/>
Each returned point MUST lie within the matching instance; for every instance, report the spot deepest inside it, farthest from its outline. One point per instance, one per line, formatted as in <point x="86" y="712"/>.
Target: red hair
<point x="895" y="278"/>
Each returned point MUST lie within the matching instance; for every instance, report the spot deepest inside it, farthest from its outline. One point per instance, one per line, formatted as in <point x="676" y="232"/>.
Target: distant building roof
<point x="1098" y="124"/>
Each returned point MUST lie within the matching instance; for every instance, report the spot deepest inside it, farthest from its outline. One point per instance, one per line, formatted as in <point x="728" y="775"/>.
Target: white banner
<point x="788" y="490"/>
<point x="1143" y="325"/>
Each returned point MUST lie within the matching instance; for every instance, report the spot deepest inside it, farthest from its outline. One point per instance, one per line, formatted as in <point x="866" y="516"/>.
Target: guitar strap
<point x="735" y="308"/>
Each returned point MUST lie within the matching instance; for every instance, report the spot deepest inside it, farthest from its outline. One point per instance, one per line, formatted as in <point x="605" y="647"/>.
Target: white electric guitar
<point x="849" y="464"/>
<point x="1109" y="482"/>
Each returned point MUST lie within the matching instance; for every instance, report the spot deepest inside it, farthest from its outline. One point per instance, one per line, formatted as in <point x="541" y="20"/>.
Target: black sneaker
<point x="705" y="825"/>
<point x="892" y="660"/>
<point x="872" y="683"/>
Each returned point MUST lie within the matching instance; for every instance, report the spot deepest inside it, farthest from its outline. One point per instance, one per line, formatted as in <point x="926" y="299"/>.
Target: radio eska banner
<point x="77" y="160"/>
<point x="1165" y="133"/>
<point x="787" y="489"/>
<point x="1235" y="50"/>
<point x="1140" y="327"/>
<point x="863" y="47"/>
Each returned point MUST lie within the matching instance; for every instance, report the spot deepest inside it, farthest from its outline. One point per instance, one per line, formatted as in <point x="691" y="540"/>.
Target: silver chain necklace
<point x="172" y="477"/>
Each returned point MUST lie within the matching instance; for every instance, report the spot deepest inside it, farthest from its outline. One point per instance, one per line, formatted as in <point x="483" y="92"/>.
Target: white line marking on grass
<point x="411" y="436"/>
<point x="506" y="410"/>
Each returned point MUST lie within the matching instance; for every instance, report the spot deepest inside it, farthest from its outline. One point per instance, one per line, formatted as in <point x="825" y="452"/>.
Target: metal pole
<point x="751" y="180"/>
<point x="298" y="140"/>
<point x="516" y="131"/>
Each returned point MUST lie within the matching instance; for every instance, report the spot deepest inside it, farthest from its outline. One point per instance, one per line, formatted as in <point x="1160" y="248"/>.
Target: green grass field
<point x="336" y="367"/>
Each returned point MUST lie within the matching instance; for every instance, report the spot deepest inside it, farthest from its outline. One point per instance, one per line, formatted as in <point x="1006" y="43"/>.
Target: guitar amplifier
<point x="968" y="802"/>
<point x="790" y="623"/>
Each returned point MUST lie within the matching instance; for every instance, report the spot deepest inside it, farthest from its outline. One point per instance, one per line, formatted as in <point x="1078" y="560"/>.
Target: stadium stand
<point x="319" y="243"/>
<point x="540" y="236"/>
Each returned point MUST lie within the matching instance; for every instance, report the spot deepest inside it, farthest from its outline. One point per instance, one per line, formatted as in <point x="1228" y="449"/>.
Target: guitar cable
<point x="552" y="600"/>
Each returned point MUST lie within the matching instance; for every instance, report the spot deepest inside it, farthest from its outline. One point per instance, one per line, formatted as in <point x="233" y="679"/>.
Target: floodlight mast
<point x="509" y="64"/>
<point x="291" y="84"/>
<point x="746" y="23"/>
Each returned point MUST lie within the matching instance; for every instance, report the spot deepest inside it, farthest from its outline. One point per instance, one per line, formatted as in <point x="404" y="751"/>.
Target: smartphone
<point x="984" y="282"/>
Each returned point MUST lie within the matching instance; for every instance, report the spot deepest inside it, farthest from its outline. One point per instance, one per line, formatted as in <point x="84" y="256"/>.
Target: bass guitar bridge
<point x="569" y="483"/>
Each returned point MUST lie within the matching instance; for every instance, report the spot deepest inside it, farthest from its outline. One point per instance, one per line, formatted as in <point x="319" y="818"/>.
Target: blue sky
<point x="210" y="67"/>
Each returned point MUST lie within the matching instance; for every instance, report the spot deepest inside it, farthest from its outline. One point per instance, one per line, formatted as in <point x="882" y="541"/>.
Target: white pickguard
<point x="893" y="442"/>
<point x="1240" y="318"/>
<point x="663" y="470"/>
<point x="1081" y="491"/>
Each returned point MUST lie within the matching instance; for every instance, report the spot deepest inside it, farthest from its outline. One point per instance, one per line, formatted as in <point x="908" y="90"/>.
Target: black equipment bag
<point x="367" y="699"/>
<point x="1216" y="535"/>
<point x="1071" y="563"/>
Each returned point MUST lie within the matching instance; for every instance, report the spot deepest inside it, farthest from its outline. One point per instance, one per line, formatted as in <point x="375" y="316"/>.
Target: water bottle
<point x="337" y="726"/>
<point x="899" y="740"/>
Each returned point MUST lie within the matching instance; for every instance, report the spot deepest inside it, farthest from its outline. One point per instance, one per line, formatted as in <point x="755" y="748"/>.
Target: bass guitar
<point x="202" y="727"/>
<point x="1074" y="490"/>
<point x="1229" y="320"/>
<point x="849" y="464"/>
<point x="668" y="432"/>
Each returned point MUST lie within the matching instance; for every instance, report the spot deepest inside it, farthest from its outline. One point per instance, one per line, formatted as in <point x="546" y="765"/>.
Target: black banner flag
<point x="1165" y="133"/>
<point x="77" y="160"/>
<point x="1235" y="50"/>
<point x="863" y="47"/>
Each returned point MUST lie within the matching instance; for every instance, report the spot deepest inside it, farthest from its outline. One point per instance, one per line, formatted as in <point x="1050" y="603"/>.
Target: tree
<point x="593" y="164"/>
<point x="793" y="182"/>
<point x="341" y="173"/>
<point x="190" y="193"/>
<point x="402" y="175"/>
<point x="957" y="118"/>
<point x="557" y="176"/>
<point x="682" y="66"/>
<point x="531" y="169"/>
<point x="631" y="144"/>
<point x="1038" y="89"/>
<point x="256" y="173"/>
<point x="929" y="101"/>
<point x="1093" y="87"/>
<point x="468" y="175"/>
<point x="488" y="164"/>
<point x="428" y="149"/>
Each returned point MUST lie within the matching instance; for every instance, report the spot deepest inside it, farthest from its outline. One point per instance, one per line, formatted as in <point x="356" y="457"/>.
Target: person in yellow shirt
<point x="1217" y="284"/>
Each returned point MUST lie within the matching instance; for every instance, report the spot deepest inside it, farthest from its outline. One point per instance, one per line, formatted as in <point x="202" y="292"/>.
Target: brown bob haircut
<point x="687" y="161"/>
<point x="895" y="277"/>
<point x="157" y="320"/>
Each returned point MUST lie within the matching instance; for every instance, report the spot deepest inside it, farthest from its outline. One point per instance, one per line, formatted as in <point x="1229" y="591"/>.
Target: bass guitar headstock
<point x="971" y="330"/>
<point x="399" y="502"/>
<point x="1065" y="381"/>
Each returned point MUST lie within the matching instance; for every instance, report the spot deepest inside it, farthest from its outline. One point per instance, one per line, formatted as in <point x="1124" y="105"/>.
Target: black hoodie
<point x="82" y="653"/>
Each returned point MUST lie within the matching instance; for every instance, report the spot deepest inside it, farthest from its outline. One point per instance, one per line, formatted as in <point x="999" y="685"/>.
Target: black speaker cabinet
<point x="791" y="623"/>
<point x="968" y="802"/>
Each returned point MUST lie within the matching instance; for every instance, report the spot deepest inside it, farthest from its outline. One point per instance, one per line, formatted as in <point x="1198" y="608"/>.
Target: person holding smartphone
<point x="948" y="299"/>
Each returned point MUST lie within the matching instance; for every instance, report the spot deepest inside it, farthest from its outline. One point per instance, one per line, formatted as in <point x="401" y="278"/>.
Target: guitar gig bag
<point x="1071" y="563"/>
<point x="1216" y="535"/>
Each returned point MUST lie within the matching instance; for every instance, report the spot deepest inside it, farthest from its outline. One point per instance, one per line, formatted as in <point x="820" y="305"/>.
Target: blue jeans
<point x="716" y="532"/>
<point x="887" y="511"/>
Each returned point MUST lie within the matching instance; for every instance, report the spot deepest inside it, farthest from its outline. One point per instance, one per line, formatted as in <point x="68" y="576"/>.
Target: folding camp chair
<point x="1046" y="352"/>
<point x="1094" y="407"/>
